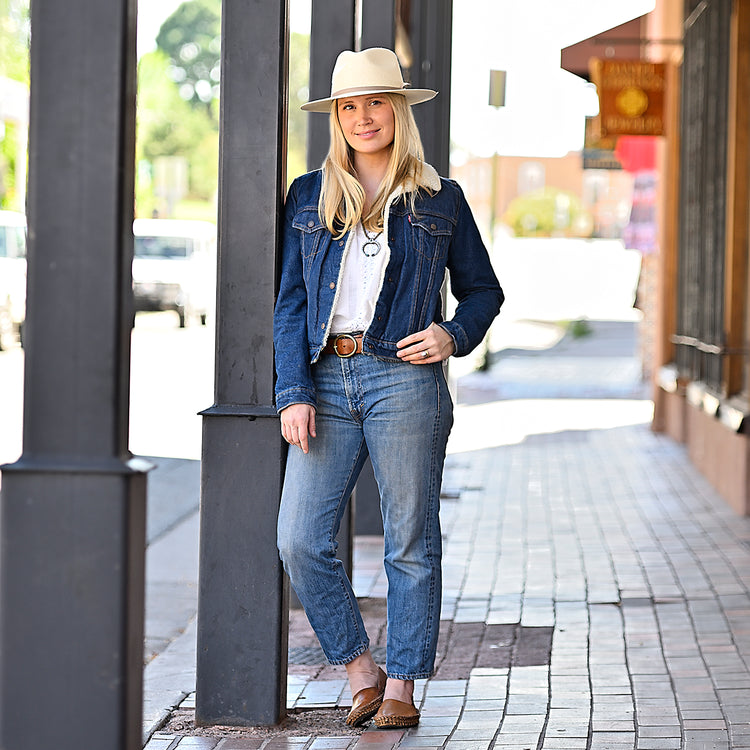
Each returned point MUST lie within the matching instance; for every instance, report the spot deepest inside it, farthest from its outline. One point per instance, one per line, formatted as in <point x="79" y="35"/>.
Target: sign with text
<point x="631" y="96"/>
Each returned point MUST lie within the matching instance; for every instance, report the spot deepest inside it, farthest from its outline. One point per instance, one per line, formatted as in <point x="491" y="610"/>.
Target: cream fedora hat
<point x="371" y="71"/>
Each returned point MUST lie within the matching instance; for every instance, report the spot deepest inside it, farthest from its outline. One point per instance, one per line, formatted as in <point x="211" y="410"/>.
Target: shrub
<point x="546" y="212"/>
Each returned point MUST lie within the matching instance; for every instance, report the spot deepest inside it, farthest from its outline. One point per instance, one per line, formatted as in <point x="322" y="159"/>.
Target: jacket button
<point x="390" y="280"/>
<point x="311" y="223"/>
<point x="341" y="242"/>
<point x="323" y="326"/>
<point x="433" y="226"/>
<point x="332" y="285"/>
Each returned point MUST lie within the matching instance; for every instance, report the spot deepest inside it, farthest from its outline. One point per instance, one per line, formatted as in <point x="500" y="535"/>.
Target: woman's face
<point x="367" y="122"/>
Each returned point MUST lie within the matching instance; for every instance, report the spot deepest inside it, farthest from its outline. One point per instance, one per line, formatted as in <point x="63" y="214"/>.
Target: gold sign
<point x="631" y="96"/>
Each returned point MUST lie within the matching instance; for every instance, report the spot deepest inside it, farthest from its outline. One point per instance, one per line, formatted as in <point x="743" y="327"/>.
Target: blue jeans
<point x="401" y="415"/>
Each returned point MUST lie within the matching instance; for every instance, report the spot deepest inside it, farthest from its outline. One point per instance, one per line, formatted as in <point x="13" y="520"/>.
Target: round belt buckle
<point x="345" y="337"/>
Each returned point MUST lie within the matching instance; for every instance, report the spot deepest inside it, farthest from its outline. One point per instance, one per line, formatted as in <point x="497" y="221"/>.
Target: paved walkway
<point x="596" y="595"/>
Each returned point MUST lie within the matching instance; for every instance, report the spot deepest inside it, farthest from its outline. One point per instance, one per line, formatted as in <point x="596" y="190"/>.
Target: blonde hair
<point x="342" y="197"/>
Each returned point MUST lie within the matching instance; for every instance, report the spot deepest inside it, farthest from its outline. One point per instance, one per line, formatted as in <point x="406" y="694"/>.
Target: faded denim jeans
<point x="401" y="414"/>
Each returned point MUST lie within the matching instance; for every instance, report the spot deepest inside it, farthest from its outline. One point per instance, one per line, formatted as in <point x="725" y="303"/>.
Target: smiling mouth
<point x="367" y="133"/>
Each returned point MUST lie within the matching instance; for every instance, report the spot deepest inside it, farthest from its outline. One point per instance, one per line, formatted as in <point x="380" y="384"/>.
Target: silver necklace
<point x="371" y="242"/>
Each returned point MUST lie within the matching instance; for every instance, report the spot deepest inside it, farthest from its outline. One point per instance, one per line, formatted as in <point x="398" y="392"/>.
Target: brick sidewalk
<point x="596" y="595"/>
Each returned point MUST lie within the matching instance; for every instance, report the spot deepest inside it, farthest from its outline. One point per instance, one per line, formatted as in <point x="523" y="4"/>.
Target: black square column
<point x="73" y="506"/>
<point x="242" y="605"/>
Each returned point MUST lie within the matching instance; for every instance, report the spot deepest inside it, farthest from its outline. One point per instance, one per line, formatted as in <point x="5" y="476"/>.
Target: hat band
<point x="375" y="88"/>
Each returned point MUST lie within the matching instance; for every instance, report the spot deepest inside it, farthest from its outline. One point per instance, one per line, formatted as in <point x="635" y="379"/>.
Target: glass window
<point x="163" y="247"/>
<point x="20" y="233"/>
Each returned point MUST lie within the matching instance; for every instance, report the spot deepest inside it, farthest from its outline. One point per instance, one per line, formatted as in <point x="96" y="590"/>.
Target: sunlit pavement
<point x="595" y="589"/>
<point x="172" y="373"/>
<point x="595" y="595"/>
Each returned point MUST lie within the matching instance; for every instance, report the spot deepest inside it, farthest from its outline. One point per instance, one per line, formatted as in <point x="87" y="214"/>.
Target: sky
<point x="545" y="106"/>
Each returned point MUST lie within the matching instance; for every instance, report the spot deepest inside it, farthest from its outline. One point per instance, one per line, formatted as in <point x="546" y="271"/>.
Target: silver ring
<point x="425" y="354"/>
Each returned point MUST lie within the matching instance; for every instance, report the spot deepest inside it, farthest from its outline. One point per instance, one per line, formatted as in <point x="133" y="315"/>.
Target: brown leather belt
<point x="344" y="345"/>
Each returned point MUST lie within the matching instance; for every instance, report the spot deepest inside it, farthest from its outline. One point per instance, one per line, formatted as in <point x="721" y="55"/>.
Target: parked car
<point x="12" y="277"/>
<point x="174" y="267"/>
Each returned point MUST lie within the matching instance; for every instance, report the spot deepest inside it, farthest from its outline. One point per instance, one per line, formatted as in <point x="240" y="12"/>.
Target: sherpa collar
<point x="429" y="178"/>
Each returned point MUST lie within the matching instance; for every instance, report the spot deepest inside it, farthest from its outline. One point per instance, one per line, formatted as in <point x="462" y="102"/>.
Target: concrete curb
<point x="167" y="680"/>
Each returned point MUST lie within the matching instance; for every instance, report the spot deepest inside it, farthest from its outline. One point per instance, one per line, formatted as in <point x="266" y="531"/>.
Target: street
<point x="172" y="375"/>
<point x="172" y="369"/>
<point x="171" y="381"/>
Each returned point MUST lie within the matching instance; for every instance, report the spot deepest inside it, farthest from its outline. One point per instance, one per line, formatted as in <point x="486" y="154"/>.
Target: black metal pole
<point x="242" y="607"/>
<point x="73" y="505"/>
<point x="378" y="30"/>
<point x="378" y="24"/>
<point x="332" y="31"/>
<point x="430" y="28"/>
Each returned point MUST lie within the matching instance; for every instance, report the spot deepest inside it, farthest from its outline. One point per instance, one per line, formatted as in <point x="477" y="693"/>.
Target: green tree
<point x="191" y="37"/>
<point x="14" y="40"/>
<point x="167" y="125"/>
<point x="175" y="120"/>
<point x="546" y="212"/>
<point x="14" y="64"/>
<point x="299" y="79"/>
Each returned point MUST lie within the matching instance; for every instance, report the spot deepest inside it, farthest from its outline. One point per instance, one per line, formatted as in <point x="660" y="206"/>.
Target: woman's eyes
<point x="371" y="103"/>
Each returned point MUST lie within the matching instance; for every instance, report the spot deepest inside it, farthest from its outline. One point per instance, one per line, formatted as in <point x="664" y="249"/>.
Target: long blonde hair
<point x="342" y="197"/>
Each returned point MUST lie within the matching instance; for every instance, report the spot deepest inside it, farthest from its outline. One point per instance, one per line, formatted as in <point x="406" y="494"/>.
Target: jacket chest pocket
<point x="311" y="230"/>
<point x="431" y="235"/>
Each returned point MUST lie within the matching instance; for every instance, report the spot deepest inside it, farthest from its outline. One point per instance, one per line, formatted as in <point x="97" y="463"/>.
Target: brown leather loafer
<point x="366" y="702"/>
<point x="393" y="713"/>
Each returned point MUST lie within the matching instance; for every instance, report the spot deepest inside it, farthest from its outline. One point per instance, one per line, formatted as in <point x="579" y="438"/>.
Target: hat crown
<point x="371" y="71"/>
<point x="376" y="67"/>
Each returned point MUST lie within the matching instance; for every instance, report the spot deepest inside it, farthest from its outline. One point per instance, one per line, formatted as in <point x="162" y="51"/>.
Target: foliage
<point x="14" y="64"/>
<point x="9" y="197"/>
<point x="178" y="88"/>
<point x="299" y="76"/>
<point x="548" y="211"/>
<point x="14" y="40"/>
<point x="191" y="38"/>
<point x="177" y="85"/>
<point x="580" y="328"/>
<point x="167" y="125"/>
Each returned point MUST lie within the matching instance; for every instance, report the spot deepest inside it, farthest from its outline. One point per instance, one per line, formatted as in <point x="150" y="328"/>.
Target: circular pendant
<point x="375" y="248"/>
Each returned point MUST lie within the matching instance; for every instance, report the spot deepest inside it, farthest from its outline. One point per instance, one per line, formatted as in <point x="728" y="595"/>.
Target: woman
<point x="360" y="344"/>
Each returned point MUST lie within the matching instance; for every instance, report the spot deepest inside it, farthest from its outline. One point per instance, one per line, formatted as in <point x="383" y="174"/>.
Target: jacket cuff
<point x="460" y="339"/>
<point x="295" y="395"/>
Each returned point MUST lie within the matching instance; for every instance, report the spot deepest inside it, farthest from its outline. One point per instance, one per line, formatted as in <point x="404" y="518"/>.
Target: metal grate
<point x="465" y="646"/>
<point x="699" y="342"/>
<point x="311" y="656"/>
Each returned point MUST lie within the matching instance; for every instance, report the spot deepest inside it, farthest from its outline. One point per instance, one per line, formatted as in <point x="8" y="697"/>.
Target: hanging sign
<point x="631" y="96"/>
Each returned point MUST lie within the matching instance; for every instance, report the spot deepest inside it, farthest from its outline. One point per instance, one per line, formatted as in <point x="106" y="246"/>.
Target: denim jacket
<point x="440" y="234"/>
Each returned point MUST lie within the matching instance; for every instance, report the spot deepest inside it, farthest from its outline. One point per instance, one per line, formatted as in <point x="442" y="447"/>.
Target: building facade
<point x="701" y="393"/>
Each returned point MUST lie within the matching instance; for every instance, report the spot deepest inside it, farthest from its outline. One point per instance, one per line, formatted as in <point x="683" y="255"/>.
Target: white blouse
<point x="360" y="280"/>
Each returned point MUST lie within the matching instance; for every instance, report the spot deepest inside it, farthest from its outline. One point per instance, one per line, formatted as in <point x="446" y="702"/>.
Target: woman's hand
<point x="434" y="344"/>
<point x="297" y="423"/>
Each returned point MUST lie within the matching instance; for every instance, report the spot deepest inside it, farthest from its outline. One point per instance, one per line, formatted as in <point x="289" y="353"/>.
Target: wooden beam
<point x="670" y="220"/>
<point x="738" y="196"/>
<point x="669" y="232"/>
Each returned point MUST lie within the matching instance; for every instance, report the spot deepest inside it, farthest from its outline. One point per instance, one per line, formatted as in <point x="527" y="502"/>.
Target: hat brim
<point x="413" y="96"/>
